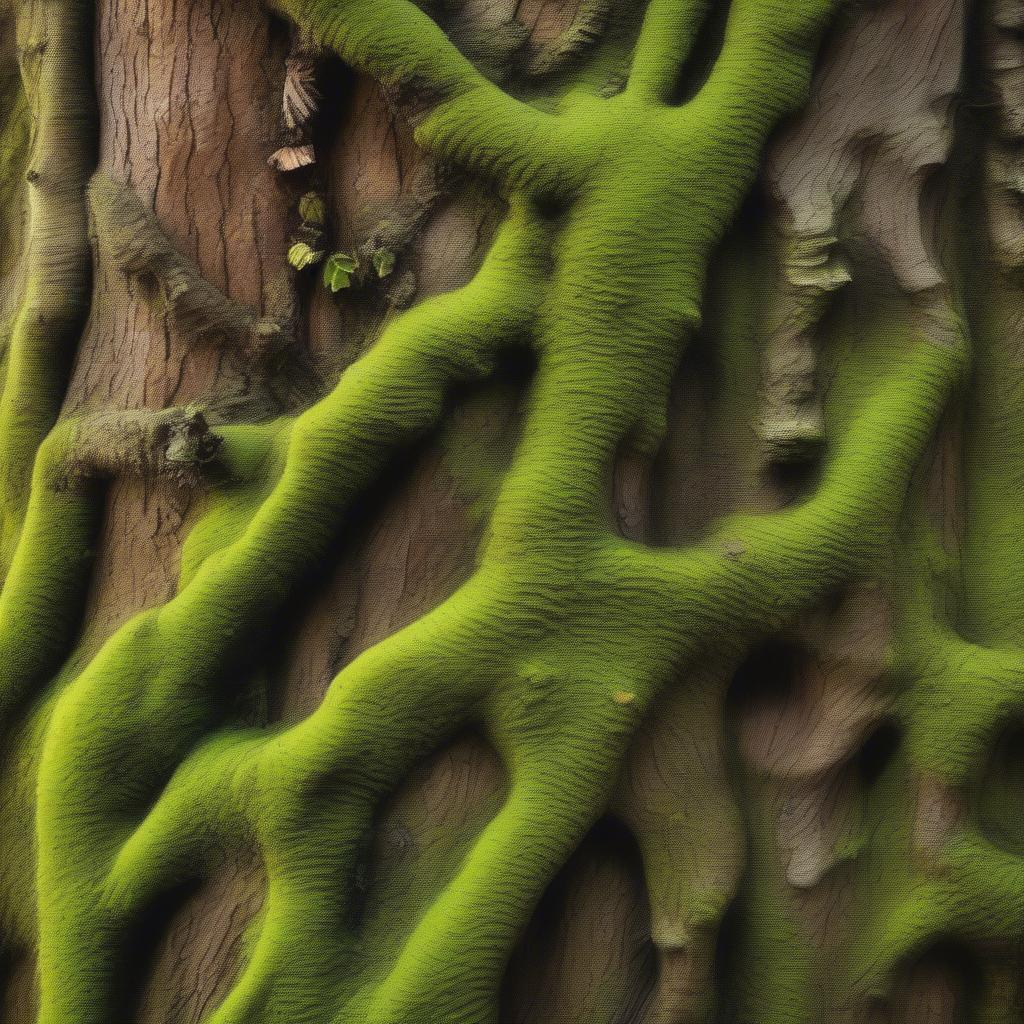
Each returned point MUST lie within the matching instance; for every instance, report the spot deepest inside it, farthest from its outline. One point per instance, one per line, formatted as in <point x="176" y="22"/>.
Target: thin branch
<point x="764" y="68"/>
<point x="790" y="558"/>
<point x="176" y="444"/>
<point x="130" y="237"/>
<point x="55" y="303"/>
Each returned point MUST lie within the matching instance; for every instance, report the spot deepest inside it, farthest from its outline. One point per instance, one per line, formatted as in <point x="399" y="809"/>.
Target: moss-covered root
<point x="562" y="618"/>
<point x="613" y="313"/>
<point x="768" y="52"/>
<point x="55" y="37"/>
<point x="323" y="781"/>
<point x="42" y="597"/>
<point x="552" y="697"/>
<point x="158" y="677"/>
<point x="470" y="119"/>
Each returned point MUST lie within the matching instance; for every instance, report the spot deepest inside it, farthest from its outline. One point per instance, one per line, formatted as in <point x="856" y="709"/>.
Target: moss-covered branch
<point x="332" y="452"/>
<point x="54" y="39"/>
<point x="463" y="117"/>
<point x="667" y="34"/>
<point x="608" y="316"/>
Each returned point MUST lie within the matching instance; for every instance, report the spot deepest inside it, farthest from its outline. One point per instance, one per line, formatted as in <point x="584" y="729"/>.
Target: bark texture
<point x="508" y="511"/>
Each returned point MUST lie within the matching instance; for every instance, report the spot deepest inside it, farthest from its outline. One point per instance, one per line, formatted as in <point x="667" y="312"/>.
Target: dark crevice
<point x="707" y="48"/>
<point x="945" y="981"/>
<point x="999" y="791"/>
<point x="766" y="676"/>
<point x="728" y="959"/>
<point x="356" y="543"/>
<point x="877" y="753"/>
<point x="539" y="971"/>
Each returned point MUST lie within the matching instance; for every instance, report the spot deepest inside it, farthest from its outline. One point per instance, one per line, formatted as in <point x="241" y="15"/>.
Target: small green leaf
<point x="301" y="255"/>
<point x="383" y="262"/>
<point x="312" y="208"/>
<point x="338" y="270"/>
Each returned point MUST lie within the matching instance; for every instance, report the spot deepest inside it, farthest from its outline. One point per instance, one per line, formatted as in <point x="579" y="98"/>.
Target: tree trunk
<point x="509" y="511"/>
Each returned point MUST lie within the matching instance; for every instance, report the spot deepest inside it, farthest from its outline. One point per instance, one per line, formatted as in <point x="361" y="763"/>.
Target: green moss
<point x="58" y="88"/>
<point x="143" y="777"/>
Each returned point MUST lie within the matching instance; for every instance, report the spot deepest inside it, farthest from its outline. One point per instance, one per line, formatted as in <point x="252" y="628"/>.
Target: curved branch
<point x="792" y="557"/>
<point x="452" y="964"/>
<point x="41" y="598"/>
<point x="58" y="261"/>
<point x="667" y="35"/>
<point x="161" y="669"/>
<point x="464" y="118"/>
<point x="768" y="52"/>
<point x="130" y="237"/>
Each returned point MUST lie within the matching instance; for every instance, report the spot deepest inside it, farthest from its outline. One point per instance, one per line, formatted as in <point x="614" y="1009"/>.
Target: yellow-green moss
<point x="615" y="207"/>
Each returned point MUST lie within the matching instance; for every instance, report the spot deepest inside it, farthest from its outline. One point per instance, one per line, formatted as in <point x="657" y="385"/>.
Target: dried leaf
<point x="301" y="98"/>
<point x="291" y="158"/>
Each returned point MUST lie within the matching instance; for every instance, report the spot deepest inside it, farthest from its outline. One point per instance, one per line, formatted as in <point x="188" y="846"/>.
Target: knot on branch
<point x="174" y="444"/>
<point x="813" y="268"/>
<point x="130" y="237"/>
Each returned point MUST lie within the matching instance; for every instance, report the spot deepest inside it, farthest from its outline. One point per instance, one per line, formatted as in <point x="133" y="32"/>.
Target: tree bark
<point x="508" y="511"/>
